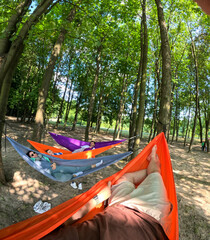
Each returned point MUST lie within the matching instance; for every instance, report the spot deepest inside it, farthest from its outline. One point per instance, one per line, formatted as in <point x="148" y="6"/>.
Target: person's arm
<point x="93" y="202"/>
<point x="53" y="166"/>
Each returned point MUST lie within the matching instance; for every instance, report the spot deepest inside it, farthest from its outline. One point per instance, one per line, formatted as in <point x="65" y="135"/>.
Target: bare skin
<point x="138" y="176"/>
<point x="134" y="177"/>
<point x="50" y="152"/>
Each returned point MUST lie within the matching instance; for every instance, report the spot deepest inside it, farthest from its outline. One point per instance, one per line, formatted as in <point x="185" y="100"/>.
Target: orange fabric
<point x="40" y="225"/>
<point x="68" y="155"/>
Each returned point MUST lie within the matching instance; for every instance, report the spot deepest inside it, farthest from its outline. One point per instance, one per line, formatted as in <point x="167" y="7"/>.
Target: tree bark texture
<point x="5" y="42"/>
<point x="165" y="100"/>
<point x="100" y="107"/>
<point x="132" y="127"/>
<point x="11" y="52"/>
<point x="14" y="50"/>
<point x="69" y="102"/>
<point x="62" y="103"/>
<point x="93" y="94"/>
<point x="39" y="119"/>
<point x="79" y="99"/>
<point x="200" y="122"/>
<point x="144" y="52"/>
<point x="196" y="90"/>
<point x="121" y="108"/>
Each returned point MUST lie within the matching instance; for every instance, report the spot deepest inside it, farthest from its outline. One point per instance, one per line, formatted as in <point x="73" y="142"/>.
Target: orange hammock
<point x="68" y="155"/>
<point x="40" y="225"/>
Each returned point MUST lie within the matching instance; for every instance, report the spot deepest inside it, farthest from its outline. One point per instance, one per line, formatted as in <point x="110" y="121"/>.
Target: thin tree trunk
<point x="171" y="108"/>
<point x="196" y="90"/>
<point x="177" y="129"/>
<point x="133" y="119"/>
<point x="93" y="94"/>
<point x="121" y="108"/>
<point x="200" y="122"/>
<point x="154" y="115"/>
<point x="157" y="79"/>
<point x="165" y="100"/>
<point x="70" y="97"/>
<point x="207" y="120"/>
<point x="79" y="99"/>
<point x="175" y="116"/>
<point x="144" y="50"/>
<point x="174" y="127"/>
<point x="62" y="103"/>
<point x="188" y="123"/>
<point x="43" y="92"/>
<point x="100" y="106"/>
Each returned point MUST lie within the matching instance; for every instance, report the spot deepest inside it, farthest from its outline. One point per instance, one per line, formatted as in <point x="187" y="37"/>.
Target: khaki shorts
<point x="149" y="197"/>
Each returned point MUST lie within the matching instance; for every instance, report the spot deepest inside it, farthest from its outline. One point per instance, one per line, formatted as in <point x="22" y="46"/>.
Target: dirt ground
<point x="27" y="186"/>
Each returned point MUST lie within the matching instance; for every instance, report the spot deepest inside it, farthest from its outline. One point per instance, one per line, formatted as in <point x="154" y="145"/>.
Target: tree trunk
<point x="144" y="51"/>
<point x="177" y="129"/>
<point x="154" y="115"/>
<point x="5" y="42"/>
<point x="93" y="94"/>
<point x="43" y="92"/>
<point x="207" y="120"/>
<point x="100" y="107"/>
<point x="70" y="97"/>
<point x="200" y="122"/>
<point x="196" y="90"/>
<point x="171" y="108"/>
<point x="176" y="117"/>
<point x="79" y="99"/>
<point x="157" y="80"/>
<point x="121" y="108"/>
<point x="165" y="100"/>
<point x="14" y="53"/>
<point x="39" y="119"/>
<point x="3" y="103"/>
<point x="174" y="127"/>
<point x="133" y="119"/>
<point x="8" y="62"/>
<point x="62" y="103"/>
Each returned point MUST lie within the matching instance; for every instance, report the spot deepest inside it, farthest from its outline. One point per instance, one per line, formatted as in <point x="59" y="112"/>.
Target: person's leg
<point x="154" y="162"/>
<point x="70" y="169"/>
<point x="151" y="196"/>
<point x="133" y="177"/>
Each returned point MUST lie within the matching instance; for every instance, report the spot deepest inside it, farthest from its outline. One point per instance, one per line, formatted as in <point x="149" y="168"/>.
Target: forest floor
<point x="27" y="186"/>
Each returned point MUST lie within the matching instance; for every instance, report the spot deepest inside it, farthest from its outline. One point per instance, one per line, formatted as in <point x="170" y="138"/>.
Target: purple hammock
<point x="73" y="144"/>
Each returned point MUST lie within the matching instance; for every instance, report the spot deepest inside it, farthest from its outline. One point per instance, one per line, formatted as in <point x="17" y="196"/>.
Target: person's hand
<point x="104" y="194"/>
<point x="53" y="166"/>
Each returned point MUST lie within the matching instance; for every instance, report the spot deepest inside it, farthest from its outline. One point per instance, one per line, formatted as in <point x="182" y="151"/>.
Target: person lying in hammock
<point x="58" y="171"/>
<point x="85" y="147"/>
<point x="132" y="213"/>
<point x="50" y="152"/>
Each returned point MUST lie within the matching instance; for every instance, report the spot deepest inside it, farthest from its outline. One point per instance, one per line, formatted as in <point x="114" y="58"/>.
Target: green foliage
<point x="114" y="27"/>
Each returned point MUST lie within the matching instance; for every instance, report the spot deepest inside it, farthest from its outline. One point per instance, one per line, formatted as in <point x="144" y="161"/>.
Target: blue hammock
<point x="107" y="160"/>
